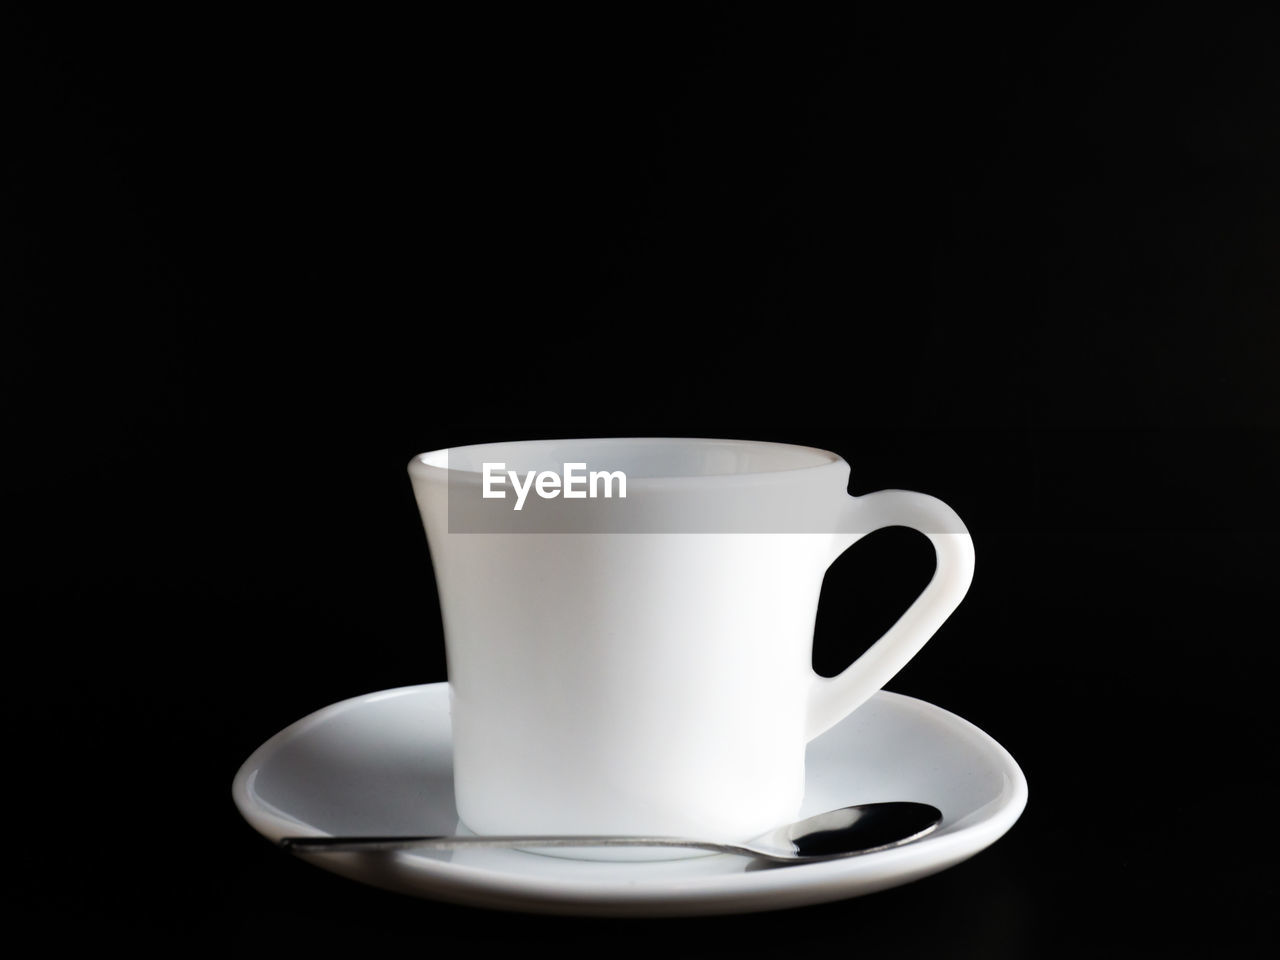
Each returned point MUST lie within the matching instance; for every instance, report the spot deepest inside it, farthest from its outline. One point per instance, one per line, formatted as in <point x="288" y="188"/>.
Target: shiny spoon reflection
<point x="846" y="832"/>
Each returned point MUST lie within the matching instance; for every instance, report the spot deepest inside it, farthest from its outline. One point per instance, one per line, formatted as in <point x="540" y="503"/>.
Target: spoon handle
<point x="361" y="844"/>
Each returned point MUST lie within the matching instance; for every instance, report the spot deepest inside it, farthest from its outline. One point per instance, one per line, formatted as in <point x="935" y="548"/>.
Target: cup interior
<point x="637" y="457"/>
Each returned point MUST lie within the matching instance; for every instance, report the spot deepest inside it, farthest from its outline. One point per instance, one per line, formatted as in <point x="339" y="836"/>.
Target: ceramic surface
<point x="382" y="764"/>
<point x="642" y="665"/>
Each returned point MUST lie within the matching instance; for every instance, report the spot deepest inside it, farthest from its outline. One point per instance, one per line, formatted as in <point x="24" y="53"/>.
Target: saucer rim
<point x="702" y="894"/>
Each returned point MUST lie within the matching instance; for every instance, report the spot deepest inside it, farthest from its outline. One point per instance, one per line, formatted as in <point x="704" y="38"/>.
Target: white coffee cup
<point x="642" y="664"/>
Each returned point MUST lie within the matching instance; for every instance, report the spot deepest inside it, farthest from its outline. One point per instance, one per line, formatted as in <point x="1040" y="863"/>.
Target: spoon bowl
<point x="843" y="832"/>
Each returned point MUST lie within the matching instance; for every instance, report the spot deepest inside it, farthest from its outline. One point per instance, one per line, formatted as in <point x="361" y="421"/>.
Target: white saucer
<point x="382" y="764"/>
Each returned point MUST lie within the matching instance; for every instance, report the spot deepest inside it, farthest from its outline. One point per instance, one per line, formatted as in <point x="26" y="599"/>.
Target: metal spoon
<point x="846" y="832"/>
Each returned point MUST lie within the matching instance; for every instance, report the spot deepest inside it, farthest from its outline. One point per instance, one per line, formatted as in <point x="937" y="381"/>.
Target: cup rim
<point x="420" y="465"/>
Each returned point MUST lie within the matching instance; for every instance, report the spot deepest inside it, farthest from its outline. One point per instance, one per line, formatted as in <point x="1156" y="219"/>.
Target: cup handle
<point x="832" y="699"/>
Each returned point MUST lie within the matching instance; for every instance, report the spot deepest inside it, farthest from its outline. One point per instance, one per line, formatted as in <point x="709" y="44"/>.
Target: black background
<point x="1029" y="263"/>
